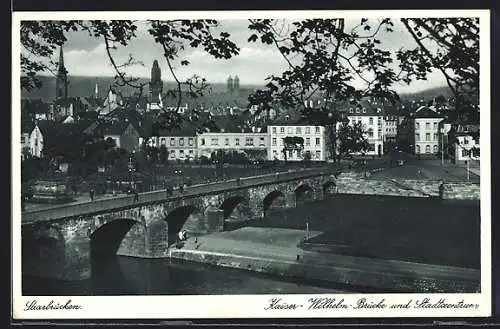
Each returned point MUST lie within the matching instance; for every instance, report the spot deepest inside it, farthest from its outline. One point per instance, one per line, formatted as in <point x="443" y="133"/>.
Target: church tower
<point x="156" y="85"/>
<point x="230" y="84"/>
<point x="61" y="79"/>
<point x="236" y="83"/>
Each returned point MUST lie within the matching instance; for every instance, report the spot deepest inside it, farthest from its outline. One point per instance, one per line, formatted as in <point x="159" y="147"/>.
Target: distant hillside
<point x="85" y="86"/>
<point x="428" y="94"/>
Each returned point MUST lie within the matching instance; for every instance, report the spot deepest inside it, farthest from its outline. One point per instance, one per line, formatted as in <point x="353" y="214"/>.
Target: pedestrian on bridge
<point x="91" y="193"/>
<point x="441" y="189"/>
<point x="136" y="196"/>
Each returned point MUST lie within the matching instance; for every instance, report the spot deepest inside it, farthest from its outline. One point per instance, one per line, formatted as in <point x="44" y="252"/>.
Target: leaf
<point x="252" y="38"/>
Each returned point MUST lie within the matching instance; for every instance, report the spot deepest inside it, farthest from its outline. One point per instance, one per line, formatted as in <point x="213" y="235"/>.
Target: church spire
<point x="61" y="60"/>
<point x="62" y="78"/>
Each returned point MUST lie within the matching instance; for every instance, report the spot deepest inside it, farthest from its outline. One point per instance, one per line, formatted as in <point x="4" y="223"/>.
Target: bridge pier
<point x="56" y="252"/>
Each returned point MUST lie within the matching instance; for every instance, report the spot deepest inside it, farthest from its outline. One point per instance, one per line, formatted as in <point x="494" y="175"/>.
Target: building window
<point x="290" y="130"/>
<point x="435" y="126"/>
<point x="427" y="126"/>
<point x="181" y="154"/>
<point x="350" y="110"/>
<point x="215" y="141"/>
<point x="203" y="141"/>
<point x="262" y="143"/>
<point x="274" y="130"/>
<point x="172" y="141"/>
<point x="427" y="149"/>
<point x="435" y="137"/>
<point x="317" y="141"/>
<point x="274" y="141"/>
<point x="181" y="141"/>
<point x="371" y="120"/>
<point x="417" y="126"/>
<point x="191" y="151"/>
<point x="417" y="137"/>
<point x="435" y="149"/>
<point x="237" y="141"/>
<point x="308" y="141"/>
<point x="275" y="154"/>
<point x="282" y="130"/>
<point x="318" y="155"/>
<point x="466" y="141"/>
<point x="370" y="132"/>
<point x="172" y="154"/>
<point x="418" y="149"/>
<point x="249" y="141"/>
<point x="364" y="110"/>
<point x="191" y="141"/>
<point x="163" y="141"/>
<point x="317" y="130"/>
<point x="298" y="130"/>
<point x="308" y="130"/>
<point x="226" y="141"/>
<point x="290" y="154"/>
<point x="427" y="137"/>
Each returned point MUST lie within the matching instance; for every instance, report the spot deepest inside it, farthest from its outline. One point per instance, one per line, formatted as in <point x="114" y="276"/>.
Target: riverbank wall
<point x="356" y="183"/>
<point x="365" y="274"/>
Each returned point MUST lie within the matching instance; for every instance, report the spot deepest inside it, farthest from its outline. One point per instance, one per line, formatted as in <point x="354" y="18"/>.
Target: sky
<point x="86" y="56"/>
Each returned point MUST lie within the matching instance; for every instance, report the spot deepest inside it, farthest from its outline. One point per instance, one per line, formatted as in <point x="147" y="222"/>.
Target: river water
<point x="409" y="229"/>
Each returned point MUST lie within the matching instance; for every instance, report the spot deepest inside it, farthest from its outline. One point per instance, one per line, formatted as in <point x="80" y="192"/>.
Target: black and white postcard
<point x="257" y="164"/>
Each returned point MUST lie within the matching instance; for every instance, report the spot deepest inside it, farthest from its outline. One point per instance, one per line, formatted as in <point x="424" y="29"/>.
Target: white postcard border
<point x="249" y="306"/>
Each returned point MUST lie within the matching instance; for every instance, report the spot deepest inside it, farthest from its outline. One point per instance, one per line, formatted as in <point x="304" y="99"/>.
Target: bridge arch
<point x="302" y="192"/>
<point x="230" y="204"/>
<point x="188" y="218"/>
<point x="271" y="197"/>
<point x="107" y="238"/>
<point x="329" y="188"/>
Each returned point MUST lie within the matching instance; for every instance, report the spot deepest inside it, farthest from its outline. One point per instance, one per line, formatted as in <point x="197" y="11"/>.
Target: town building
<point x="125" y="134"/>
<point x="426" y="130"/>
<point x="230" y="133"/>
<point x="371" y="118"/>
<point x="313" y="137"/>
<point x="180" y="142"/>
<point x="467" y="147"/>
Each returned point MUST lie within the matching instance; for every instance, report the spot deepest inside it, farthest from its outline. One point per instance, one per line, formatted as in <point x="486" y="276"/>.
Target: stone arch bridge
<point x="57" y="242"/>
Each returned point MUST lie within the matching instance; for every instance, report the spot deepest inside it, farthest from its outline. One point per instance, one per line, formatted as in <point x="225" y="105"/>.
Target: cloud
<point x="86" y="56"/>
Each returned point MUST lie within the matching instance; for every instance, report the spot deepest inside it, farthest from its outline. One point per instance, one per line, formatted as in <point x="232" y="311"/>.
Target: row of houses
<point x="429" y="132"/>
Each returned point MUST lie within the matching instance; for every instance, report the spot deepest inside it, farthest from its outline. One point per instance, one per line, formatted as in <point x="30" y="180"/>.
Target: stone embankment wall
<point x="371" y="274"/>
<point x="352" y="183"/>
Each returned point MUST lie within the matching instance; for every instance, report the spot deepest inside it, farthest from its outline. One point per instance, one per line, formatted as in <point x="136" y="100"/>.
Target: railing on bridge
<point x="124" y="202"/>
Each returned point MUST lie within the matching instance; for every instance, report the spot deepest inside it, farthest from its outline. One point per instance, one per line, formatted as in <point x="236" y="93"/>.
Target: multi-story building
<point x="371" y="119"/>
<point x="467" y="147"/>
<point x="426" y="130"/>
<point x="247" y="142"/>
<point x="391" y="125"/>
<point x="313" y="137"/>
<point x="181" y="143"/>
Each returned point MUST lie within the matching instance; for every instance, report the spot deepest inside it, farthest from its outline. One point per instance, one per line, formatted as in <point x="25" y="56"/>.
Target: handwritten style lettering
<point x="52" y="305"/>
<point x="362" y="303"/>
<point x="278" y="304"/>
<point x="441" y="303"/>
<point x="326" y="303"/>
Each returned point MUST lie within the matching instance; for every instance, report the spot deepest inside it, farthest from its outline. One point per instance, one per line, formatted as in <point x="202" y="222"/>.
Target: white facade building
<point x="467" y="148"/>
<point x="372" y="123"/>
<point x="426" y="130"/>
<point x="231" y="141"/>
<point x="314" y="141"/>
